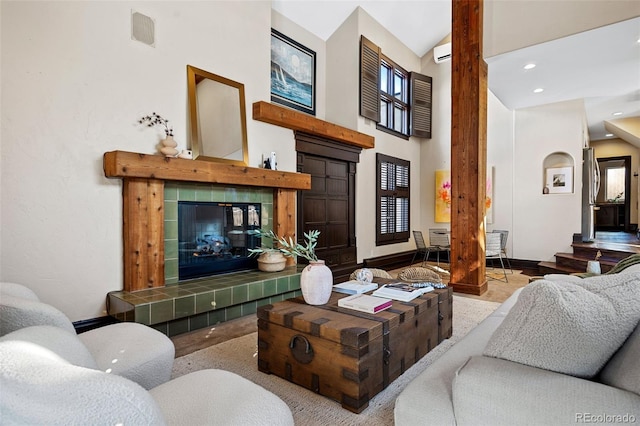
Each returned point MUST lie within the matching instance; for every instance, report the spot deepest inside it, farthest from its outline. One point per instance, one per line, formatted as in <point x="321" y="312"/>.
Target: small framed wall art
<point x="559" y="180"/>
<point x="293" y="74"/>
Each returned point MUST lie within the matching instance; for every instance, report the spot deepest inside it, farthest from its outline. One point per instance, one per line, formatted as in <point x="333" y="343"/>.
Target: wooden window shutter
<point x="369" y="80"/>
<point x="421" y="102"/>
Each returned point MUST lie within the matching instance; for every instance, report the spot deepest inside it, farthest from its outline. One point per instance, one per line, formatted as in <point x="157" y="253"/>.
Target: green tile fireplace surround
<point x="185" y="306"/>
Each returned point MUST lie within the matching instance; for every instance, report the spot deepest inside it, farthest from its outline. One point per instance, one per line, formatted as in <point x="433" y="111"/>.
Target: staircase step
<point x="579" y="263"/>
<point x="553" y="268"/>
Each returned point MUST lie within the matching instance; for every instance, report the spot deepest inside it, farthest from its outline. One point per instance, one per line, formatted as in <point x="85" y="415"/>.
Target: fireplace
<point x="215" y="238"/>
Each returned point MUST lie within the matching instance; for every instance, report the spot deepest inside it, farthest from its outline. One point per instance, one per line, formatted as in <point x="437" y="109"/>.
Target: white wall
<point x="343" y="68"/>
<point x="73" y="86"/>
<point x="545" y="224"/>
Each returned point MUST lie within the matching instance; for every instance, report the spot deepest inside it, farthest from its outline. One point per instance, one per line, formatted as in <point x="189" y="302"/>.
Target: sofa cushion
<point x="61" y="342"/>
<point x="623" y="370"/>
<point x="493" y="392"/>
<point x="17" y="290"/>
<point x="17" y="313"/>
<point x="40" y="388"/>
<point x="567" y="327"/>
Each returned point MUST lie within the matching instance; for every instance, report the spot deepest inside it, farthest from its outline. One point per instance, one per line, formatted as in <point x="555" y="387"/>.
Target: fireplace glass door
<point x="215" y="238"/>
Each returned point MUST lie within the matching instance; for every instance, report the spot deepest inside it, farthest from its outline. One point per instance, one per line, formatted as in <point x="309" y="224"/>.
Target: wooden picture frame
<point x="293" y="74"/>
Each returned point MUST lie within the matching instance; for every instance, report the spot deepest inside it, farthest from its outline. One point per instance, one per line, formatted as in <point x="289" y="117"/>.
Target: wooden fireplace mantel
<point x="290" y="119"/>
<point x="143" y="204"/>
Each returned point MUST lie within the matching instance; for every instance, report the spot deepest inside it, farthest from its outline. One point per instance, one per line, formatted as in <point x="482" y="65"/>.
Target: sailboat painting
<point x="293" y="74"/>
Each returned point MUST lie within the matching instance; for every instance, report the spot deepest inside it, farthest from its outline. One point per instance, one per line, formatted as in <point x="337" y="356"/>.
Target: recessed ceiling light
<point x="617" y="113"/>
<point x="529" y="66"/>
<point x="538" y="90"/>
<point x="609" y="135"/>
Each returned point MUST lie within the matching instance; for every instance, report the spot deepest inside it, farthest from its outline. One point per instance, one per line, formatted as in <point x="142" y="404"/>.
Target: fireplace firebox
<point x="215" y="238"/>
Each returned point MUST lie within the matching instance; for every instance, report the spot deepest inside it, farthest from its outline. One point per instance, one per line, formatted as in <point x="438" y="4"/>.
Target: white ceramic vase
<point x="316" y="283"/>
<point x="272" y="261"/>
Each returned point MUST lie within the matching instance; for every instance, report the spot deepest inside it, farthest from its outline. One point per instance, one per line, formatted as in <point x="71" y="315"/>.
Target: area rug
<point x="310" y="409"/>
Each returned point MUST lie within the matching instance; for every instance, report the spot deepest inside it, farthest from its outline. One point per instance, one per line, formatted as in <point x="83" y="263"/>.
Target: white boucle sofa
<point x="128" y="349"/>
<point x="46" y="378"/>
<point x="475" y="383"/>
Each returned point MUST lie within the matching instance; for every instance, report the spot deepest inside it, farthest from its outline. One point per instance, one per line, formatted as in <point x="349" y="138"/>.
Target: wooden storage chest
<point x="344" y="354"/>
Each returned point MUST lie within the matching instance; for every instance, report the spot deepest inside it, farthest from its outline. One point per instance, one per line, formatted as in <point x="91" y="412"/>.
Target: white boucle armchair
<point x="47" y="377"/>
<point x="127" y="349"/>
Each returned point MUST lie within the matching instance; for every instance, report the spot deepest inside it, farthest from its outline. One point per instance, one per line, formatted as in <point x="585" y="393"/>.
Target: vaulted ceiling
<point x="600" y="66"/>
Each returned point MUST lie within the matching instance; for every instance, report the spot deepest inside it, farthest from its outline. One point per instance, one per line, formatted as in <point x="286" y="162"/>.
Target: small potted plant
<point x="316" y="280"/>
<point x="168" y="143"/>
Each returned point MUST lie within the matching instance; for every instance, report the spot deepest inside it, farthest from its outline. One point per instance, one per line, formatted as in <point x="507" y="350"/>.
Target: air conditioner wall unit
<point x="442" y="53"/>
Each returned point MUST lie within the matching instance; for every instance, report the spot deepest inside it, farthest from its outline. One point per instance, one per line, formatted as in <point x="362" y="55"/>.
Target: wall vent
<point x="142" y="28"/>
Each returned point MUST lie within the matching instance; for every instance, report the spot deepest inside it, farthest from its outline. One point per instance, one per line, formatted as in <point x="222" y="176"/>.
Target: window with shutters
<point x="398" y="101"/>
<point x="392" y="216"/>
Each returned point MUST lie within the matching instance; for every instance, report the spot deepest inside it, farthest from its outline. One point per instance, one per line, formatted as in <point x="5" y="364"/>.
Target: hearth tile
<point x="198" y="321"/>
<point x="294" y="282"/>
<point x="282" y="285"/>
<point x="223" y="298"/>
<point x="203" y="301"/>
<point x="178" y="326"/>
<point x="234" y="312"/>
<point x="143" y="314"/>
<point x="162" y="327"/>
<point x="240" y="293"/>
<point x="218" y="316"/>
<point x="263" y="302"/>
<point x="162" y="311"/>
<point x="270" y="287"/>
<point x="185" y="306"/>
<point x="249" y="308"/>
<point x="255" y="290"/>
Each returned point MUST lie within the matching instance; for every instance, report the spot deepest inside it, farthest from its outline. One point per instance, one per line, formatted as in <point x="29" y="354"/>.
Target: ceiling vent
<point x="442" y="53"/>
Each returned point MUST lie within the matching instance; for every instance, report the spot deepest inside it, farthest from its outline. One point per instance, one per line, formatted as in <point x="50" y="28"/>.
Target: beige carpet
<point x="239" y="356"/>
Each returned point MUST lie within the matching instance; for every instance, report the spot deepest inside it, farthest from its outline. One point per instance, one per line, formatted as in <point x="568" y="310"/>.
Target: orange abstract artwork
<point x="443" y="196"/>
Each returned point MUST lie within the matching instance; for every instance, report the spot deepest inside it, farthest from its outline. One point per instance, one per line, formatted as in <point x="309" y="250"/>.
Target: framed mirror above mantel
<point x="217" y="115"/>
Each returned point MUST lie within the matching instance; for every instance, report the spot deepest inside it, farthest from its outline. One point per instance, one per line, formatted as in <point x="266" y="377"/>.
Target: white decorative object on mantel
<point x="169" y="147"/>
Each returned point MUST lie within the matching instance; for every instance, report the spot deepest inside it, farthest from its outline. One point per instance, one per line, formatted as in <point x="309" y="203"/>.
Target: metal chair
<point x="493" y="251"/>
<point x="439" y="241"/>
<point x="421" y="247"/>
<point x="504" y="236"/>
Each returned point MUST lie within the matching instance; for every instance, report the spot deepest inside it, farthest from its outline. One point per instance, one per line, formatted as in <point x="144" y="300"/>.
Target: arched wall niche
<point x="558" y="173"/>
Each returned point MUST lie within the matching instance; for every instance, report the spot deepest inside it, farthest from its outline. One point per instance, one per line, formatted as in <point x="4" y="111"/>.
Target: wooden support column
<point x="468" y="148"/>
<point x="284" y="216"/>
<point x="143" y="227"/>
